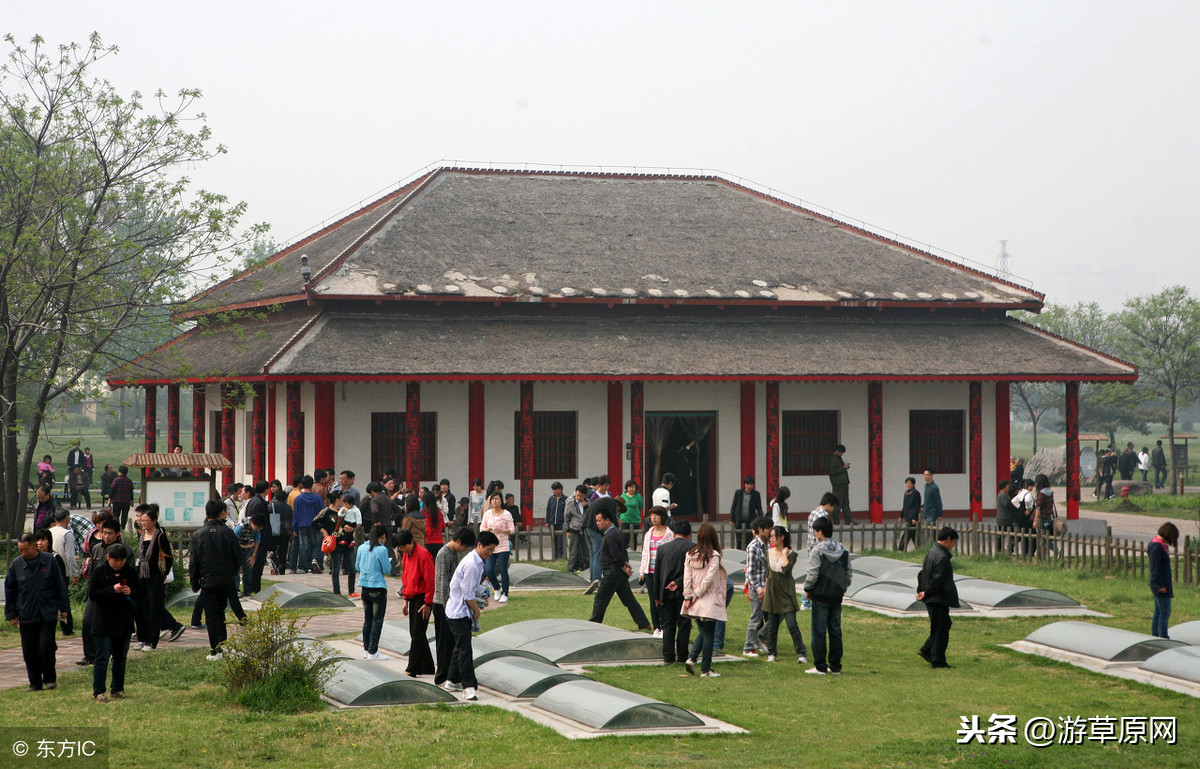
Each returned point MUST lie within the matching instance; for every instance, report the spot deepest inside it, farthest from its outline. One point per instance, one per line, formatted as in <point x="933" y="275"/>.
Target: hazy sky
<point x="1067" y="128"/>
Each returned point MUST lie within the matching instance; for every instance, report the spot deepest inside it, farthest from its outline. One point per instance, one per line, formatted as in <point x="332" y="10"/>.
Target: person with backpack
<point x="825" y="584"/>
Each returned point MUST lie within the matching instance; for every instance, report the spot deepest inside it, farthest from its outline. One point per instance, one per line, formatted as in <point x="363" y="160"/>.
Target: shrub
<point x="113" y="429"/>
<point x="266" y="671"/>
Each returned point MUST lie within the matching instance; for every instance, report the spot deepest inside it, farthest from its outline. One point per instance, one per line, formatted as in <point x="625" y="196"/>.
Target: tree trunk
<point x="1173" y="474"/>
<point x="1034" y="418"/>
<point x="14" y="485"/>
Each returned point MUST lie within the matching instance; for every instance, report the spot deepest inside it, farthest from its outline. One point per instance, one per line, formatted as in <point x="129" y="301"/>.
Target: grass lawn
<point x="1155" y="505"/>
<point x="888" y="709"/>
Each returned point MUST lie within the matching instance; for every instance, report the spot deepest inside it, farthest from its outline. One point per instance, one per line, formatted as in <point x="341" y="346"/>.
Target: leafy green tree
<point x="1102" y="407"/>
<point x="1161" y="333"/>
<point x="100" y="230"/>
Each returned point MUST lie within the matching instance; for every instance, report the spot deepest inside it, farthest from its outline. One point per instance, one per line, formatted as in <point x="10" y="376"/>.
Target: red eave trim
<point x="1125" y="378"/>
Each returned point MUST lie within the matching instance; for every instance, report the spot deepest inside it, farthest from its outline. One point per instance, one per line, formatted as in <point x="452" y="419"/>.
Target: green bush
<point x="113" y="429"/>
<point x="266" y="671"/>
<point x="286" y="691"/>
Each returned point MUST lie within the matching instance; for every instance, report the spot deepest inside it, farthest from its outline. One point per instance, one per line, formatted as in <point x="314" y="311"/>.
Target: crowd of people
<point x="453" y="555"/>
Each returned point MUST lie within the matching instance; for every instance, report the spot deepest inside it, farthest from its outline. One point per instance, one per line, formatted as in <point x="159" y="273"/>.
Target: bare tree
<point x="99" y="230"/>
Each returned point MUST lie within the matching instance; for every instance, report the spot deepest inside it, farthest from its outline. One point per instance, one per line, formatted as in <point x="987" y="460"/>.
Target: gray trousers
<point x="756" y="631"/>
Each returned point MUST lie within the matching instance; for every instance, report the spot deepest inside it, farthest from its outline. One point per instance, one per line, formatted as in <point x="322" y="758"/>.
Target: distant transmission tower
<point x="1003" y="260"/>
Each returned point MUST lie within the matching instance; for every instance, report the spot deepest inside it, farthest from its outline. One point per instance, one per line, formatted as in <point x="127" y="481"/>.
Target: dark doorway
<point x="684" y="443"/>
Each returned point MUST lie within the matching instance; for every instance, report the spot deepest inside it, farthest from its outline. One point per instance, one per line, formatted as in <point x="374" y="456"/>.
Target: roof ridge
<point x="306" y="240"/>
<point x="417" y="187"/>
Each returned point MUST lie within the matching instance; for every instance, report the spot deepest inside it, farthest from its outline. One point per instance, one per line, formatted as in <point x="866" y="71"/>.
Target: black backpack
<point x="833" y="579"/>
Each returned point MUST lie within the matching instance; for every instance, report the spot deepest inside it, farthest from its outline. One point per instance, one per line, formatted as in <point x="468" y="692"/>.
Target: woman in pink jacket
<point x="704" y="596"/>
<point x="500" y="522"/>
<point x="655" y="537"/>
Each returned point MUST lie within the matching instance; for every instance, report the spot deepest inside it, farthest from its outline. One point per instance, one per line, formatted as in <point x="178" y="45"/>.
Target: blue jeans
<point x="497" y="562"/>
<point x="305" y="541"/>
<point x="374" y="601"/>
<point x="827" y="618"/>
<point x="594" y="540"/>
<point x="1162" y="614"/>
<point x="118" y="648"/>
<point x="702" y="647"/>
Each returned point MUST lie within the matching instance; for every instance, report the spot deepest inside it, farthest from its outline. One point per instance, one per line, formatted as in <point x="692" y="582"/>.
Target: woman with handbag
<point x="154" y="567"/>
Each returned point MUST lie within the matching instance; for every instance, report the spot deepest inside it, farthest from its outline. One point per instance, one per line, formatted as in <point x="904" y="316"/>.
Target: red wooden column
<point x="295" y="432"/>
<point x="616" y="446"/>
<point x="1003" y="443"/>
<point x="271" y="405"/>
<point x="875" y="451"/>
<point x="323" y="424"/>
<point x="228" y="432"/>
<point x="199" y="423"/>
<point x="773" y="457"/>
<point x="258" y="433"/>
<point x="412" y="434"/>
<point x="172" y="416"/>
<point x="747" y="425"/>
<point x="475" y="422"/>
<point x="637" y="434"/>
<point x="527" y="451"/>
<point x="975" y="438"/>
<point x="1072" y="450"/>
<point x="150" y="423"/>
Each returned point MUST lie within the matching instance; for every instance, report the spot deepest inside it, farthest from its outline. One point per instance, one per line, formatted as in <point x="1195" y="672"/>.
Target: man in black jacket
<point x="215" y="559"/>
<point x="614" y="566"/>
<point x="839" y="479"/>
<point x="35" y="592"/>
<point x="746" y="507"/>
<point x="935" y="586"/>
<point x="668" y="568"/>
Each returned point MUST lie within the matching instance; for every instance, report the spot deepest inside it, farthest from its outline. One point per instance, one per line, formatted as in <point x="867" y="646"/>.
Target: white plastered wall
<point x="850" y="401"/>
<point x="900" y="398"/>
<point x="590" y="401"/>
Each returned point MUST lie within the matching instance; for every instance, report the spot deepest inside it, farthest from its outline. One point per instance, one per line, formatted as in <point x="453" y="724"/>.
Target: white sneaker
<point x="450" y="686"/>
<point x="137" y="647"/>
<point x="770" y="658"/>
<point x="378" y="656"/>
<point x="690" y="666"/>
<point x="469" y="693"/>
<point x="503" y="598"/>
<point x="815" y="672"/>
<point x="750" y="653"/>
<point x="801" y="659"/>
<point x="658" y="632"/>
<point x="366" y="655"/>
<point x="710" y="674"/>
<point x="215" y="657"/>
<point x="146" y="648"/>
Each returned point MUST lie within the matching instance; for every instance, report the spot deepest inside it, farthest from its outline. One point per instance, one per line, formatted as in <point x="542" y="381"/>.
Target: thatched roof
<point x="565" y="346"/>
<point x="531" y="236"/>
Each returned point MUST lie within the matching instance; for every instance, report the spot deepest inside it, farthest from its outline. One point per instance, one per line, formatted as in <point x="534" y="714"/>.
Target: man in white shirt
<point x="461" y="610"/>
<point x="662" y="496"/>
<point x="63" y="542"/>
